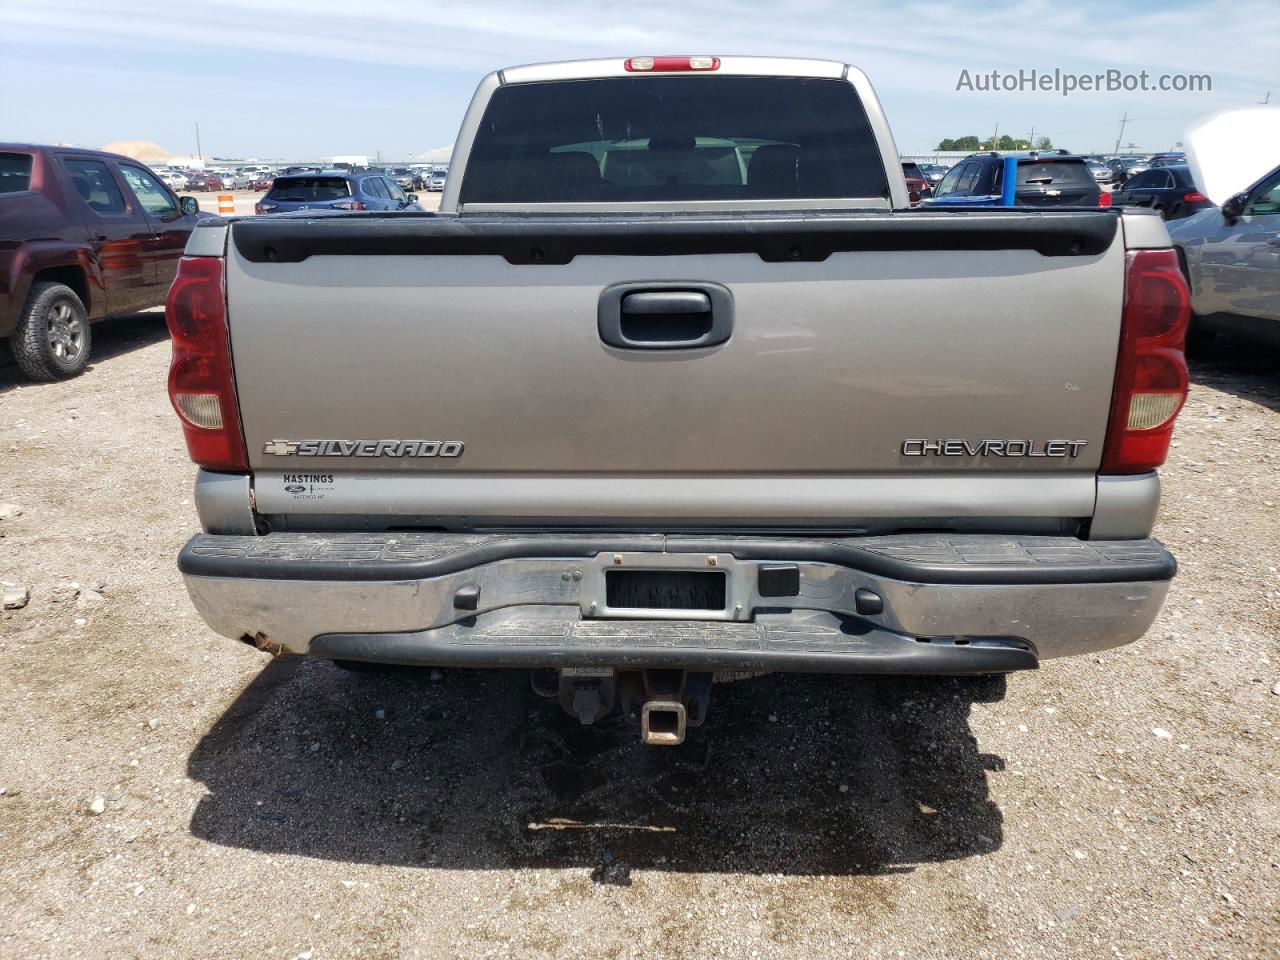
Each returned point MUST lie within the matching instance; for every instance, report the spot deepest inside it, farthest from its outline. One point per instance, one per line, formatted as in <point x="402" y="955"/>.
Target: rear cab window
<point x="314" y="189"/>
<point x="15" y="172"/>
<point x="674" y="139"/>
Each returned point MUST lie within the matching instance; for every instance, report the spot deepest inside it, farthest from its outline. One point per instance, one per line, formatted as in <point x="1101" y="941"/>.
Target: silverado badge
<point x="363" y="448"/>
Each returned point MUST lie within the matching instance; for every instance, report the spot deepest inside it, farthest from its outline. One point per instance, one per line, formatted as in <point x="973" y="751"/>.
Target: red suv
<point x="86" y="235"/>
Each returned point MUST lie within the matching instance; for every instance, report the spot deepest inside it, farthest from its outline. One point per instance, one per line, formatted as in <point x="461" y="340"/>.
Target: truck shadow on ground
<point x="850" y="776"/>
<point x="111" y="338"/>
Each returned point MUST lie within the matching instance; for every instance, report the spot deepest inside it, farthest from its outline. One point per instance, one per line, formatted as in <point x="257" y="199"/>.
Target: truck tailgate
<point x="844" y="374"/>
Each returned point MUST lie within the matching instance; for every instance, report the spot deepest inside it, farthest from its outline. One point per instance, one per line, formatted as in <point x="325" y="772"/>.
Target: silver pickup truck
<point x="676" y="384"/>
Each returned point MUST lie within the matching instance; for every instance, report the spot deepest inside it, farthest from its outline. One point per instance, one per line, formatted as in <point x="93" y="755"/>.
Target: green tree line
<point x="1006" y="142"/>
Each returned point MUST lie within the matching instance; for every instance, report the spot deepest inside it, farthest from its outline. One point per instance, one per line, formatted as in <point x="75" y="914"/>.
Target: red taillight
<point x="1104" y="198"/>
<point x="201" y="387"/>
<point x="670" y="64"/>
<point x="1194" y="196"/>
<point x="349" y="205"/>
<point x="257" y="208"/>
<point x="1151" y="372"/>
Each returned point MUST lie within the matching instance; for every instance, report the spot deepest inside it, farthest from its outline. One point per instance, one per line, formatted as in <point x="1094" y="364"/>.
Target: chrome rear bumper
<point x="908" y="604"/>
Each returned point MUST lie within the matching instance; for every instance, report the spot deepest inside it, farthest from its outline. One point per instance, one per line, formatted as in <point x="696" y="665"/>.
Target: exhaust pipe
<point x="662" y="723"/>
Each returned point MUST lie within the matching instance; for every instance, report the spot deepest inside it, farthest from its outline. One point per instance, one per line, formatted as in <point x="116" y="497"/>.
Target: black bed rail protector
<point x="558" y="238"/>
<point x="917" y="558"/>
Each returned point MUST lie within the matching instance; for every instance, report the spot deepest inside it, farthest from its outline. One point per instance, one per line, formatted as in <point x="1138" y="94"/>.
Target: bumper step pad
<point x="818" y="642"/>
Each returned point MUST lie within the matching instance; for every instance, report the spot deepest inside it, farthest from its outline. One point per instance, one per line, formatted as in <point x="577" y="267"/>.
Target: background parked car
<point x="1101" y="172"/>
<point x="236" y="181"/>
<point x="86" y="234"/>
<point x="1170" y="191"/>
<point x="403" y="177"/>
<point x="1122" y="168"/>
<point x="206" y="182"/>
<point x="918" y="187"/>
<point x="933" y="172"/>
<point x="1232" y="258"/>
<point x="261" y="183"/>
<point x="335" y="190"/>
<point x="436" y="184"/>
<point x="1166" y="160"/>
<point x="1040" y="180"/>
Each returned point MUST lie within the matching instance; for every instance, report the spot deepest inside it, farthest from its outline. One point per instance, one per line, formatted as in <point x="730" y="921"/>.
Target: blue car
<point x="1035" y="179"/>
<point x="336" y="190"/>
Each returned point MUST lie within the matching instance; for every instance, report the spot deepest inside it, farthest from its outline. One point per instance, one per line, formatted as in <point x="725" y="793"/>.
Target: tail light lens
<point x="201" y="387"/>
<point x="348" y="205"/>
<point x="1104" y="198"/>
<point x="1151" y="372"/>
<point x="1195" y="196"/>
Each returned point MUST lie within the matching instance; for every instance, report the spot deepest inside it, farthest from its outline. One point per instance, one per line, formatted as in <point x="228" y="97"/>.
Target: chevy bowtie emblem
<point x="363" y="448"/>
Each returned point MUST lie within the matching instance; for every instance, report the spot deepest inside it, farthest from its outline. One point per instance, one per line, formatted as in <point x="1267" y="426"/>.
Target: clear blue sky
<point x="310" y="78"/>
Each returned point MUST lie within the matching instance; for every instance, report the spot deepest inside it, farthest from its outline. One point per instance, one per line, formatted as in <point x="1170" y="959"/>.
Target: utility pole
<point x="1266" y="100"/>
<point x="199" y="152"/>
<point x="1120" y="136"/>
<point x="1031" y="143"/>
<point x="995" y="138"/>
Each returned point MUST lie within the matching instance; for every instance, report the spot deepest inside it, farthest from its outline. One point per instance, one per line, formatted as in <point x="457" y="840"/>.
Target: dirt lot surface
<point x="168" y="793"/>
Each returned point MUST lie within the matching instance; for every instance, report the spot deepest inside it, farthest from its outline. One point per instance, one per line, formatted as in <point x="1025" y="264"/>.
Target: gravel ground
<point x="168" y="793"/>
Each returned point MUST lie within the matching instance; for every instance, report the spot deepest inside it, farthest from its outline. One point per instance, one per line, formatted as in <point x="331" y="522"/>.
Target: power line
<point x="1120" y="136"/>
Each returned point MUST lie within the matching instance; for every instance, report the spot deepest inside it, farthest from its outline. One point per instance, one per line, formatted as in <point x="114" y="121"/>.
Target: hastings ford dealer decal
<point x="363" y="448"/>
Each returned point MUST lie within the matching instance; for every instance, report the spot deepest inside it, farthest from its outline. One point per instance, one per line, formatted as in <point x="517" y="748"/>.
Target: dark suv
<point x="1035" y="179"/>
<point x="336" y="190"/>
<point x="83" y="235"/>
<point x="1169" y="190"/>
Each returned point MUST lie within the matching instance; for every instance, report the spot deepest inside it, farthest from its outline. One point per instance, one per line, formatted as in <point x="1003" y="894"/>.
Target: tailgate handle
<point x="666" y="302"/>
<point x="676" y="316"/>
